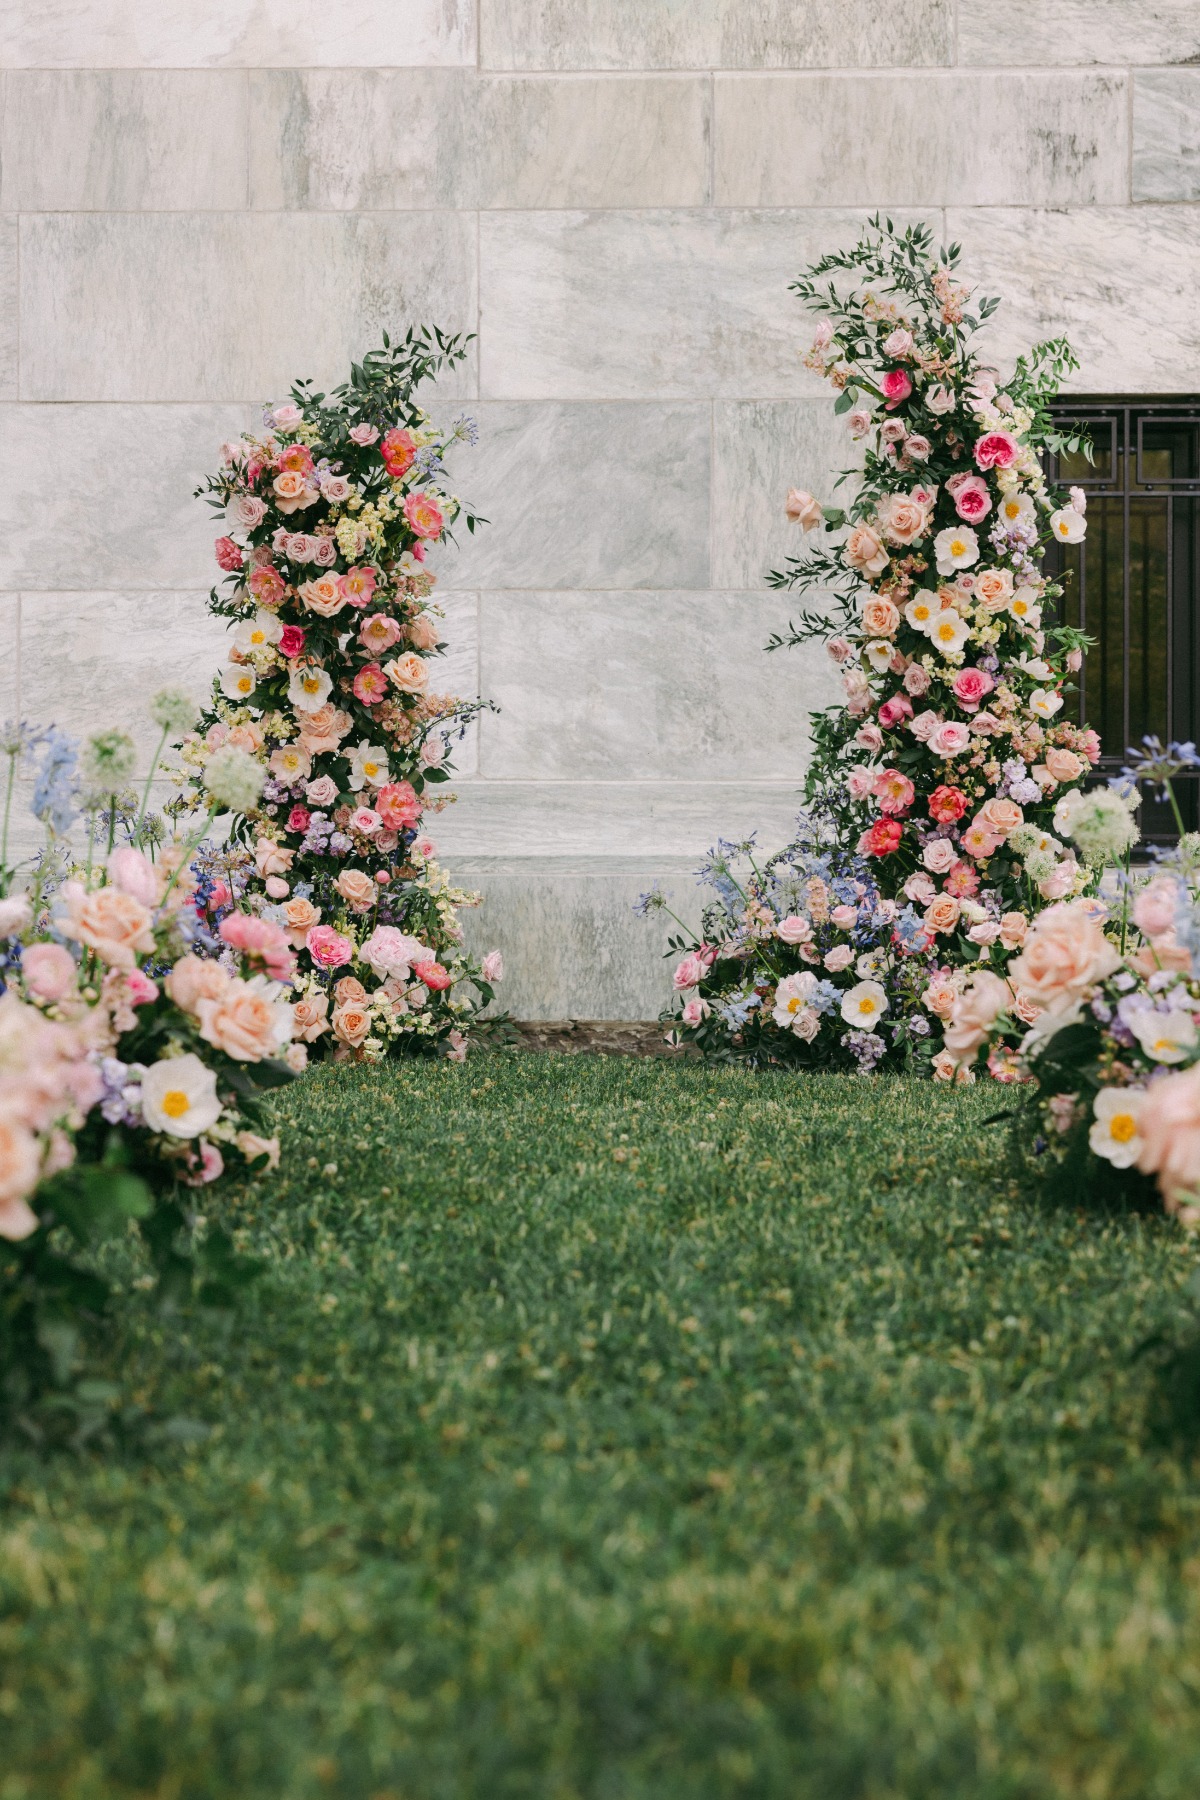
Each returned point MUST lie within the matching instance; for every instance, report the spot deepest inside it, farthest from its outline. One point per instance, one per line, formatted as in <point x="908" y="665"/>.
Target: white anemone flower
<point x="368" y="765"/>
<point x="792" y="997"/>
<point x="955" y="548"/>
<point x="309" y="688"/>
<point x="948" y="630"/>
<point x="1016" y="508"/>
<point x="1044" y="704"/>
<point x="1114" y="1134"/>
<point x="256" y="633"/>
<point x="1068" y="526"/>
<point x="920" y="610"/>
<point x="179" y="1096"/>
<point x="879" y="653"/>
<point x="864" y="1005"/>
<point x="238" y="681"/>
<point x="1024" y="606"/>
<point x="1164" y="1037"/>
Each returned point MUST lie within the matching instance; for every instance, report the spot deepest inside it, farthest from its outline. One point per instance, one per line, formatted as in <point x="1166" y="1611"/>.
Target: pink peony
<point x="267" y="586"/>
<point x="371" y="685"/>
<point x="357" y="586"/>
<point x="48" y="971"/>
<point x="919" y="888"/>
<point x="378" y="633"/>
<point x="327" y="947"/>
<point x="895" y="710"/>
<point x="229" y="557"/>
<point x="398" y="448"/>
<point x="970" y="687"/>
<point x="291" y="641"/>
<point x="424" y="515"/>
<point x="972" y="501"/>
<point x="896" y="386"/>
<point x="435" y="977"/>
<point x="996" y="450"/>
<point x="398" y="805"/>
<point x="894" y="791"/>
<point x="881" y="839"/>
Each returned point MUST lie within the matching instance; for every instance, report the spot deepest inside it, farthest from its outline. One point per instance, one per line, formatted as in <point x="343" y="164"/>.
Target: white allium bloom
<point x="1114" y="1134"/>
<point x="179" y="1097"/>
<point x="1098" y="820"/>
<point x="108" y="760"/>
<point x="234" y="779"/>
<point x="173" y="711"/>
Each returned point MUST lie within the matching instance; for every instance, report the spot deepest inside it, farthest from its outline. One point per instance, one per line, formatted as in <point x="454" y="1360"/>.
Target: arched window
<point x="1133" y="584"/>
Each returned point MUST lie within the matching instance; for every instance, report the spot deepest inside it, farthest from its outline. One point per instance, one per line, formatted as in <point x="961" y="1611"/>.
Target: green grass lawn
<point x="628" y="1431"/>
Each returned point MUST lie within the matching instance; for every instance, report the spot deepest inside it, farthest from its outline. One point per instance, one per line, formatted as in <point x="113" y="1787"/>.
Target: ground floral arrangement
<point x="331" y="511"/>
<point x="945" y="798"/>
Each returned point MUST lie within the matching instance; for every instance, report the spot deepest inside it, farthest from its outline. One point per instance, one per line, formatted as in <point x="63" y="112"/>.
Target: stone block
<point x="226" y="306"/>
<point x="612" y="686"/>
<point x="932" y="139"/>
<point x="126" y="519"/>
<point x="573" y="946"/>
<point x="122" y="649"/>
<point x="1166" y="134"/>
<point x="720" y="34"/>
<point x="457" y="672"/>
<point x="1121" y="32"/>
<point x="761" y="448"/>
<point x="638" y="819"/>
<point x="124" y="140"/>
<point x="356" y="139"/>
<point x="9" y="341"/>
<point x="191" y="34"/>
<point x="1126" y="301"/>
<point x="582" y="495"/>
<point x="659" y="304"/>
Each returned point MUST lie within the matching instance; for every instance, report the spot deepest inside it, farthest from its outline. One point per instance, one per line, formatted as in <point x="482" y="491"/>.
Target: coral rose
<point x="435" y="977"/>
<point x="1065" y="953"/>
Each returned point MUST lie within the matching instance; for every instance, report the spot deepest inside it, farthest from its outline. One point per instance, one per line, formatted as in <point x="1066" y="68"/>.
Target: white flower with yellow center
<point x="368" y="765"/>
<point x="1165" y="1037"/>
<point x="920" y="611"/>
<point x="1068" y="526"/>
<point x="1024" y="606"/>
<point x="879" y="653"/>
<point x="948" y="630"/>
<point x="238" y="681"/>
<point x="259" y="632"/>
<point x="792" y="997"/>
<point x="955" y="548"/>
<point x="1043" y="703"/>
<point x="309" y="689"/>
<point x="863" y="1006"/>
<point x="1016" y="507"/>
<point x="179" y="1097"/>
<point x="1114" y="1134"/>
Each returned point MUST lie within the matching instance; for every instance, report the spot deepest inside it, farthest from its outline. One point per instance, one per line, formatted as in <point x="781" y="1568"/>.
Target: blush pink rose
<point x="844" y="916"/>
<point x="1155" y="908"/>
<point x="870" y="738"/>
<point x="919" y="888"/>
<point x="859" y="783"/>
<point x="916" y="680"/>
<point x="839" y="958"/>
<point x="1169" y="1126"/>
<point x="323" y="791"/>
<point x="895" y="710"/>
<point x="896" y="386"/>
<point x="939" y="855"/>
<point x="793" y="930"/>
<point x="1065" y="953"/>
<point x="970" y="686"/>
<point x="363" y="434"/>
<point x="839" y="649"/>
<point x="328" y="947"/>
<point x="802" y="509"/>
<point x="949" y="738"/>
<point x="976" y="1010"/>
<point x="48" y="971"/>
<point x="688" y="974"/>
<point x="133" y="873"/>
<point x="996" y="450"/>
<point x="924" y="725"/>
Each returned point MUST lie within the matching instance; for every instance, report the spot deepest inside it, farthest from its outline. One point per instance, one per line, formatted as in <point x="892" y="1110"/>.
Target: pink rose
<point x="949" y="738"/>
<point x="432" y="753"/>
<point x="839" y="958"/>
<point x="895" y="710"/>
<point x="688" y="974"/>
<point x="924" y="725"/>
<point x="695" y="1011"/>
<point x="287" y="414"/>
<point x="919" y="888"/>
<point x="277" y="888"/>
<point x="970" y="686"/>
<point x="918" y="448"/>
<point x="133" y="873"/>
<point x="859" y="783"/>
<point x="976" y="1010"/>
<point x="48" y="971"/>
<point x="323" y="791"/>
<point x="793" y="930"/>
<point x="896" y="387"/>
<point x="898" y="343"/>
<point x="843" y="917"/>
<point x="996" y="450"/>
<point x="1169" y="1126"/>
<point x="839" y="649"/>
<point x="363" y="434"/>
<point x="858" y="420"/>
<point x="1060" y="882"/>
<point x="802" y="509"/>
<point x="142" y="991"/>
<point x="1065" y="953"/>
<point x="324" y="552"/>
<point x="869" y="738"/>
<point x="865" y="552"/>
<point x="939" y="855"/>
<point x="1156" y="906"/>
<point x="492" y="966"/>
<point x="291" y="640"/>
<point x="328" y="947"/>
<point x="971" y="499"/>
<point x="247" y="511"/>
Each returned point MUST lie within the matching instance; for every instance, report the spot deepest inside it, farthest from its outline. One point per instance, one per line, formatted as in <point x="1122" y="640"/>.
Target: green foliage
<point x="616" y="1429"/>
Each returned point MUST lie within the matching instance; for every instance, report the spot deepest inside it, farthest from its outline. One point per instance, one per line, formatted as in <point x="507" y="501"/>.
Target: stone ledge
<point x="599" y="1037"/>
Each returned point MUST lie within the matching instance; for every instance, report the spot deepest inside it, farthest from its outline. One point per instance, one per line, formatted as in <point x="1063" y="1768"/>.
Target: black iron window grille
<point x="1133" y="584"/>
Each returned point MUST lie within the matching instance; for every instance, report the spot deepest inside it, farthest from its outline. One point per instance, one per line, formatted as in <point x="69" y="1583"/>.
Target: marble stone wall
<point x="199" y="201"/>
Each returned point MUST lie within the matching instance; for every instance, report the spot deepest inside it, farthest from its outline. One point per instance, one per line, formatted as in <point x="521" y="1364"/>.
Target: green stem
<point x="137" y="830"/>
<point x="189" y="844"/>
<point x="1125" y="898"/>
<point x="1179" y="824"/>
<point x="112" y="822"/>
<point x="8" y="794"/>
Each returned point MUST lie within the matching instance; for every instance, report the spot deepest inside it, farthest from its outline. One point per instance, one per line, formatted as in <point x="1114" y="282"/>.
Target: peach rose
<point x="1000" y="816"/>
<point x="324" y="729"/>
<point x="1025" y="1009"/>
<point x="112" y="923"/>
<point x="422" y="633"/>
<point x="865" y="552"/>
<point x="48" y="971"/>
<point x="323" y="596"/>
<point x="408" y="673"/>
<point x="357" y="890"/>
<point x="993" y="589"/>
<point x="351" y="1024"/>
<point x="802" y="509"/>
<point x="1065" y="953"/>
<point x="242" y="1021"/>
<point x="942" y="914"/>
<point x="902" y="520"/>
<point x="940" y="995"/>
<point x="1013" y="927"/>
<point x="195" y="978"/>
<point x="309" y="1017"/>
<point x="880" y="617"/>
<point x="1169" y="1124"/>
<point x="246" y="737"/>
<point x="350" y="991"/>
<point x="292" y="491"/>
<point x="1064" y="765"/>
<point x="271" y="858"/>
<point x="976" y="1010"/>
<point x="299" y="918"/>
<point x="20" y="1167"/>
